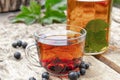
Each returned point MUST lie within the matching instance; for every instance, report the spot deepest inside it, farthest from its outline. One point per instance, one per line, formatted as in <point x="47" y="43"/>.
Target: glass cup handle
<point x="31" y="56"/>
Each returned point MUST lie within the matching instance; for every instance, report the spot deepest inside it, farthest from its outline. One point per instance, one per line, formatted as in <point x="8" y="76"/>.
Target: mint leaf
<point x="35" y="7"/>
<point x="24" y="18"/>
<point x="54" y="11"/>
<point x="96" y="25"/>
<point x="50" y="3"/>
<point x="24" y="9"/>
<point x="96" y="35"/>
<point x="61" y="6"/>
<point x="30" y="14"/>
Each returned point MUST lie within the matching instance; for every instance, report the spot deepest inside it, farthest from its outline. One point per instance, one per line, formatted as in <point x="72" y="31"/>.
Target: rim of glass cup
<point x="38" y="35"/>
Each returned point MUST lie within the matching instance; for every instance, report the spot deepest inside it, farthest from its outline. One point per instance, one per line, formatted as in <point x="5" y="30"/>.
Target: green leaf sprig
<point x="30" y="14"/>
<point x="54" y="12"/>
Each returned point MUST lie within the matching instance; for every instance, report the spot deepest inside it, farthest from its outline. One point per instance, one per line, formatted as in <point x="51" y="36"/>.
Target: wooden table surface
<point x="103" y="67"/>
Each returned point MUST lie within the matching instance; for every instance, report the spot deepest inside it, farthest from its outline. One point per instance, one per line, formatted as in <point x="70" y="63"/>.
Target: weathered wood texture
<point x="111" y="58"/>
<point x="97" y="71"/>
<point x="12" y="5"/>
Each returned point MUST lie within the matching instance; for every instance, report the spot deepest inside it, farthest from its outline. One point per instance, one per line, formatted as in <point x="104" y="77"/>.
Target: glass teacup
<point x="59" y="50"/>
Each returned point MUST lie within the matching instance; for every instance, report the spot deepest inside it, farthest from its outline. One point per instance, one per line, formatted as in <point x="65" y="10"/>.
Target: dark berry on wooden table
<point x="45" y="75"/>
<point x="82" y="71"/>
<point x="78" y="73"/>
<point x="73" y="75"/>
<point x="32" y="78"/>
<point x="17" y="55"/>
<point x="82" y="65"/>
<point x="14" y="44"/>
<point x="87" y="66"/>
<point x="24" y="45"/>
<point x="19" y="43"/>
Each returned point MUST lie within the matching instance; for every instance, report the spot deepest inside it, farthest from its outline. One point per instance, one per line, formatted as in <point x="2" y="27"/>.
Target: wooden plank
<point x="97" y="71"/>
<point x="111" y="58"/>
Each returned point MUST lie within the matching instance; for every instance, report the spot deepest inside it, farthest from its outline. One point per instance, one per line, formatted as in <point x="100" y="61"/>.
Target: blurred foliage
<point x="116" y="3"/>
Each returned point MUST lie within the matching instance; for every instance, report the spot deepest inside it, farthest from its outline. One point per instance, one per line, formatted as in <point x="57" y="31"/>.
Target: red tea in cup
<point x="61" y="53"/>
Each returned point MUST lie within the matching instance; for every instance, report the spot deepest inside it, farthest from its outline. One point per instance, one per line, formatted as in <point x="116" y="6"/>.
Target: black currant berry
<point x="32" y="78"/>
<point x="17" y="55"/>
<point x="19" y="43"/>
<point x="24" y="45"/>
<point x="82" y="71"/>
<point x="87" y="66"/>
<point x="73" y="75"/>
<point x="45" y="75"/>
<point x="78" y="73"/>
<point x="14" y="44"/>
<point x="82" y="65"/>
